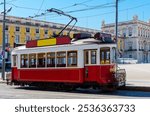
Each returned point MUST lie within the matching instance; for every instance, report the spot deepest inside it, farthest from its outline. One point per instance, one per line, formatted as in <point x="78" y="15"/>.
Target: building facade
<point x="20" y="30"/>
<point x="135" y="42"/>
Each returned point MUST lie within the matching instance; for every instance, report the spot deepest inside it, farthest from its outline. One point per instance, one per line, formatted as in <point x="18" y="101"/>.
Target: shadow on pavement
<point x="126" y="93"/>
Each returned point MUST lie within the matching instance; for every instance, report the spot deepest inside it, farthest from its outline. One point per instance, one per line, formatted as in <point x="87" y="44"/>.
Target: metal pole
<point x="116" y="30"/>
<point x="116" y="33"/>
<point x="3" y="49"/>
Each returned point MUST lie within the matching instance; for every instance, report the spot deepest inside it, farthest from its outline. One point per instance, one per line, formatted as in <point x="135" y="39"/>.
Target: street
<point x="137" y="76"/>
<point x="16" y="92"/>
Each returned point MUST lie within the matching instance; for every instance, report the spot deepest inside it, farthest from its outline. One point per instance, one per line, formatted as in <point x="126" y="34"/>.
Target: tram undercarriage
<point x="67" y="86"/>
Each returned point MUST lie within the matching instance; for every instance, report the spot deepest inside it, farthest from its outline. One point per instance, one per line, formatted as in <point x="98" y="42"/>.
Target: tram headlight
<point x="112" y="70"/>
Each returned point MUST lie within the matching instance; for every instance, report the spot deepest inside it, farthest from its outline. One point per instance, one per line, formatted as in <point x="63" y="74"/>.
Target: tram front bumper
<point x="121" y="77"/>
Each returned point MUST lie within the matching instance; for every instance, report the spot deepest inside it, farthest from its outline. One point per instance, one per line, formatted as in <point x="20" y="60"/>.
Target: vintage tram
<point x="60" y="63"/>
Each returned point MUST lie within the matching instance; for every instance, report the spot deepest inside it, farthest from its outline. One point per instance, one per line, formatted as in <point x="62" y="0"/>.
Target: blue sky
<point x="104" y="10"/>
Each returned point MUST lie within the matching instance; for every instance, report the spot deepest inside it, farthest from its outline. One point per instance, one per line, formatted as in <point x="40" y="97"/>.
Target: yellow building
<point x="19" y="30"/>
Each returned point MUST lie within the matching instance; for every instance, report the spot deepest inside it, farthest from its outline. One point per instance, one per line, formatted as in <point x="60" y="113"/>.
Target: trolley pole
<point x="116" y="31"/>
<point x="3" y="48"/>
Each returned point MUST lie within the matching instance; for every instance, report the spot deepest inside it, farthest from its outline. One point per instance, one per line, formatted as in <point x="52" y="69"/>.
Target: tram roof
<point x="74" y="44"/>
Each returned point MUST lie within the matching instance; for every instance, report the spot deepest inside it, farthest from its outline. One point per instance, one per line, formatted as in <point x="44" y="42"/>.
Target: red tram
<point x="64" y="64"/>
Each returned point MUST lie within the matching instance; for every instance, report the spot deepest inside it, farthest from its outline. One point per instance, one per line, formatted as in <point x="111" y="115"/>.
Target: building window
<point x="41" y="60"/>
<point x="6" y="27"/>
<point x="24" y="61"/>
<point x="93" y="57"/>
<point x="27" y="37"/>
<point x="130" y="56"/>
<point x="37" y="37"/>
<point x="46" y="32"/>
<point x="6" y="38"/>
<point x="37" y="30"/>
<point x="130" y="45"/>
<point x="61" y="59"/>
<point x="32" y="60"/>
<point x="130" y="31"/>
<point x="72" y="58"/>
<point x="139" y="31"/>
<point x="17" y="29"/>
<point x="27" y="29"/>
<point x="124" y="32"/>
<point x="51" y="59"/>
<point x="17" y="39"/>
<point x="54" y="34"/>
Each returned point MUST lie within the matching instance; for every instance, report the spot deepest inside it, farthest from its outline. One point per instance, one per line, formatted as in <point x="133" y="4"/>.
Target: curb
<point x="3" y="81"/>
<point x="136" y="88"/>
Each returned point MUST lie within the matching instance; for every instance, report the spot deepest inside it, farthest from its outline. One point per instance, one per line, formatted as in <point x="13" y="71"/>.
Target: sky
<point x="90" y="13"/>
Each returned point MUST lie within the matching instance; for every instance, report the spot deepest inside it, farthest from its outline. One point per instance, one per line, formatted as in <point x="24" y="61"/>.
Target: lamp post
<point x="3" y="48"/>
<point x="116" y="30"/>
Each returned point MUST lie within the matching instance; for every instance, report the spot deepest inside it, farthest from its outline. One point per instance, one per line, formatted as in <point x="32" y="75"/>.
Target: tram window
<point x="105" y="55"/>
<point x="24" y="61"/>
<point x="41" y="60"/>
<point x="32" y="60"/>
<point x="72" y="58"/>
<point x="102" y="57"/>
<point x="51" y="59"/>
<point x="93" y="56"/>
<point x="61" y="59"/>
<point x="14" y="60"/>
<point x="113" y="55"/>
<point x="86" y="57"/>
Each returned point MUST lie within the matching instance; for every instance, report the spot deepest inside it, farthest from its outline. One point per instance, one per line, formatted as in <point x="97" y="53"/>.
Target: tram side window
<point x="14" y="60"/>
<point x="51" y="59"/>
<point x="93" y="56"/>
<point x="113" y="55"/>
<point x="61" y="59"/>
<point x="72" y="59"/>
<point x="32" y="60"/>
<point x="86" y="57"/>
<point x="24" y="61"/>
<point x="41" y="60"/>
<point x="90" y="56"/>
<point x="105" y="55"/>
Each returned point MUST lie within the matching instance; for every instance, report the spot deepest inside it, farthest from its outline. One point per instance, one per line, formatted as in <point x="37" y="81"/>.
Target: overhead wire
<point x="146" y="4"/>
<point x="73" y="11"/>
<point x="77" y="4"/>
<point x="40" y="7"/>
<point x="22" y="7"/>
<point x="85" y="9"/>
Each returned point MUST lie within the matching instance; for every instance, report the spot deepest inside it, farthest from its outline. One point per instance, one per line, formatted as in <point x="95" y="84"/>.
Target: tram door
<point x="14" y="67"/>
<point x="104" y="63"/>
<point x="90" y="62"/>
